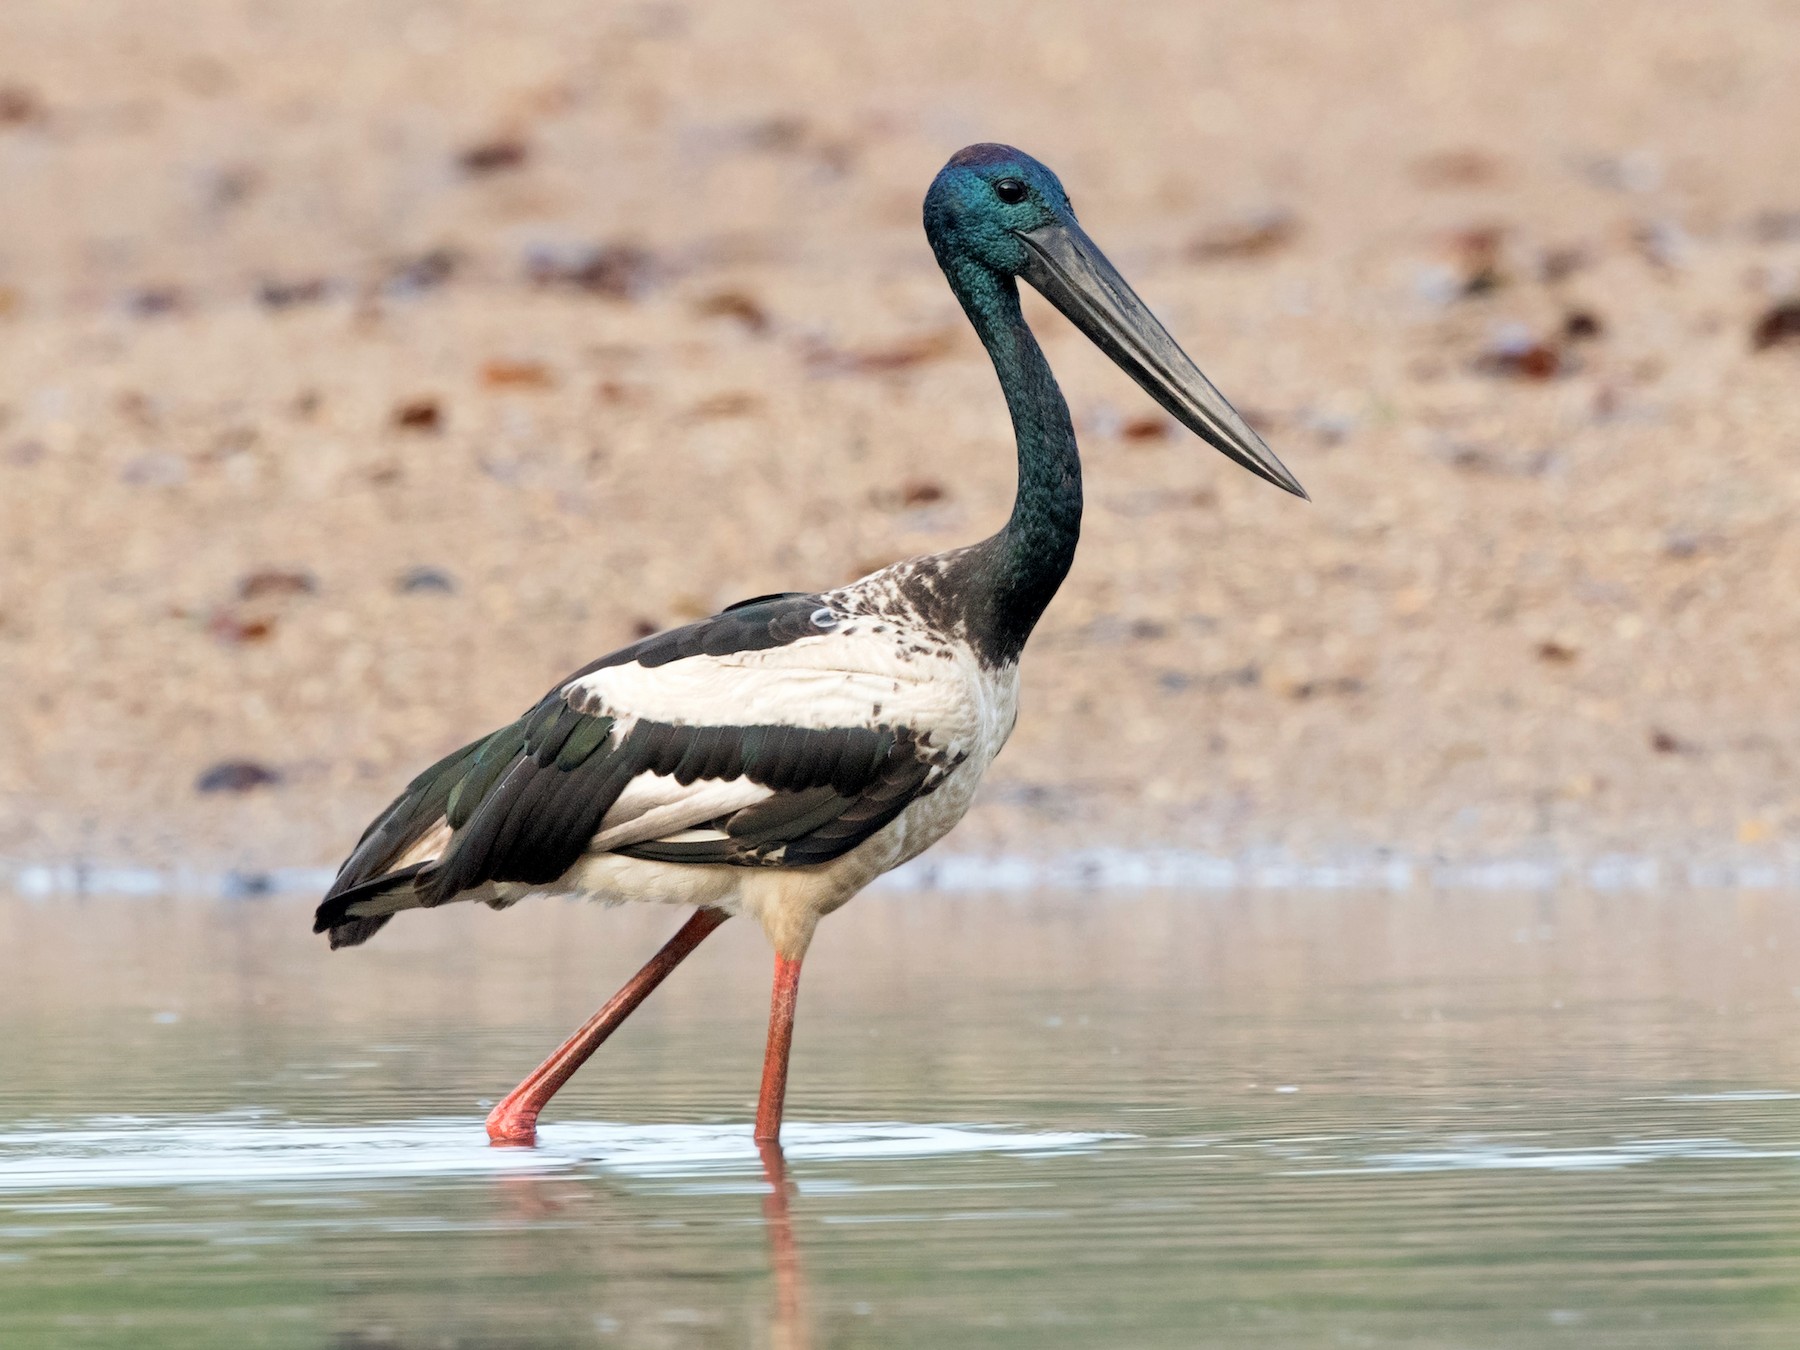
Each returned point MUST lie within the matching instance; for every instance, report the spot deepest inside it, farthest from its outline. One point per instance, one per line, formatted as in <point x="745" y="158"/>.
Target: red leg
<point x="514" y="1120"/>
<point x="781" y="1040"/>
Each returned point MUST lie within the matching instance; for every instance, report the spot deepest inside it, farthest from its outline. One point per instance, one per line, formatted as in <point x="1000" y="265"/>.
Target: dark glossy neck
<point x="1014" y="575"/>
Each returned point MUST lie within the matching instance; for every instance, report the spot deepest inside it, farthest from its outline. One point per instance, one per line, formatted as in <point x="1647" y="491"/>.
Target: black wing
<point x="748" y="626"/>
<point x="523" y="803"/>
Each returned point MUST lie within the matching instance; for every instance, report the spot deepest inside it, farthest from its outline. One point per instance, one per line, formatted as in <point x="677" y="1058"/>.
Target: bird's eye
<point x="1010" y="190"/>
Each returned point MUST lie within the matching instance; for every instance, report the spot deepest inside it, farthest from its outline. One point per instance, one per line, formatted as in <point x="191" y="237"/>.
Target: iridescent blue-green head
<point x="984" y="200"/>
<point x="997" y="211"/>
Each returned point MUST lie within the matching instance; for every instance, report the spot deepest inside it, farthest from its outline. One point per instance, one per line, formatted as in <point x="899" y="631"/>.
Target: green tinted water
<point x="1325" y="1120"/>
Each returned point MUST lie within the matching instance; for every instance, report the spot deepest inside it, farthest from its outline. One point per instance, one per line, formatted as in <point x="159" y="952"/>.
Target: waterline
<point x="1087" y="869"/>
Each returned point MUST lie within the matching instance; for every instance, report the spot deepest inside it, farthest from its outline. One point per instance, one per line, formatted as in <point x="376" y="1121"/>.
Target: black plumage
<point x="423" y="802"/>
<point x="525" y="802"/>
<point x="560" y="740"/>
<point x="749" y="626"/>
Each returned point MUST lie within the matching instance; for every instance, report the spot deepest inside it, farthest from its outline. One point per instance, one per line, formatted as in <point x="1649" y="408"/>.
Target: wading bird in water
<point x="775" y="759"/>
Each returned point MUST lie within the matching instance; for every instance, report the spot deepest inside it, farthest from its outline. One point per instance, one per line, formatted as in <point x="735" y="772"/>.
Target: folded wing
<point x="769" y="736"/>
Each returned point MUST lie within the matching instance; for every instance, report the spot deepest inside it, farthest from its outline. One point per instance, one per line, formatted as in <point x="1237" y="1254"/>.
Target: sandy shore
<point x="365" y="368"/>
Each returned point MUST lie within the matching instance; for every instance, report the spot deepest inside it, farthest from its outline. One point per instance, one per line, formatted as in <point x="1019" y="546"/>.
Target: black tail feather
<point x="334" y="913"/>
<point x="355" y="932"/>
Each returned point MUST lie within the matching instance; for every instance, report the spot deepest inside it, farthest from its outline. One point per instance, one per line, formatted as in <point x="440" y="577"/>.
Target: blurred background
<point x="365" y="367"/>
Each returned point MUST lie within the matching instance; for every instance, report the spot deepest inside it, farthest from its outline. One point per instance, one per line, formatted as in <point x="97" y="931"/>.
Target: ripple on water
<point x="243" y="1149"/>
<point x="1479" y="1155"/>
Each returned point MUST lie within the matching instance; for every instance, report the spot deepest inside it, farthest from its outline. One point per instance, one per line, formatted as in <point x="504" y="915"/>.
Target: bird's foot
<point x="511" y="1126"/>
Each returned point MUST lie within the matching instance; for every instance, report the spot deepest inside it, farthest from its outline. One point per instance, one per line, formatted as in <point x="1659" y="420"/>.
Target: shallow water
<point x="1016" y="1120"/>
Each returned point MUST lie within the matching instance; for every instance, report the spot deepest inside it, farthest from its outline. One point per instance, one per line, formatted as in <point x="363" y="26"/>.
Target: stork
<point x="773" y="760"/>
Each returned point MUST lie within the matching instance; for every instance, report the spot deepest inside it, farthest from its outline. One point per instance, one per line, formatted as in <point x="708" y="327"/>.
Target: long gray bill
<point x="1073" y="274"/>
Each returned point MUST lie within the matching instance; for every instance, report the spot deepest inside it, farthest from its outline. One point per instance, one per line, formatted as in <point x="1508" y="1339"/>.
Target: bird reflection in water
<point x="539" y="1204"/>
<point x="788" y="1327"/>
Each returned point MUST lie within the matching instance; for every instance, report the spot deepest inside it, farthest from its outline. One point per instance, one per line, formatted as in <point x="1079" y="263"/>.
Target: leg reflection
<point x="788" y="1329"/>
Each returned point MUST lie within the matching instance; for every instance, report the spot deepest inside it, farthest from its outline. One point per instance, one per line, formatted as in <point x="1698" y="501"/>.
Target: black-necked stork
<point x="776" y="758"/>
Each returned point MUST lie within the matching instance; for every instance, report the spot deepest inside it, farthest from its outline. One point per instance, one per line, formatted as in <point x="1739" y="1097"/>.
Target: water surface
<point x="1016" y="1120"/>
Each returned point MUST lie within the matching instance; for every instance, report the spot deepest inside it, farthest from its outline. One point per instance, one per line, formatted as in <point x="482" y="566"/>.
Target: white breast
<point x="930" y="818"/>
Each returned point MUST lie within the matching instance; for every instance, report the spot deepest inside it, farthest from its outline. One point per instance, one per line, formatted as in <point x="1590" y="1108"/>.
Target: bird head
<point x="998" y="209"/>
